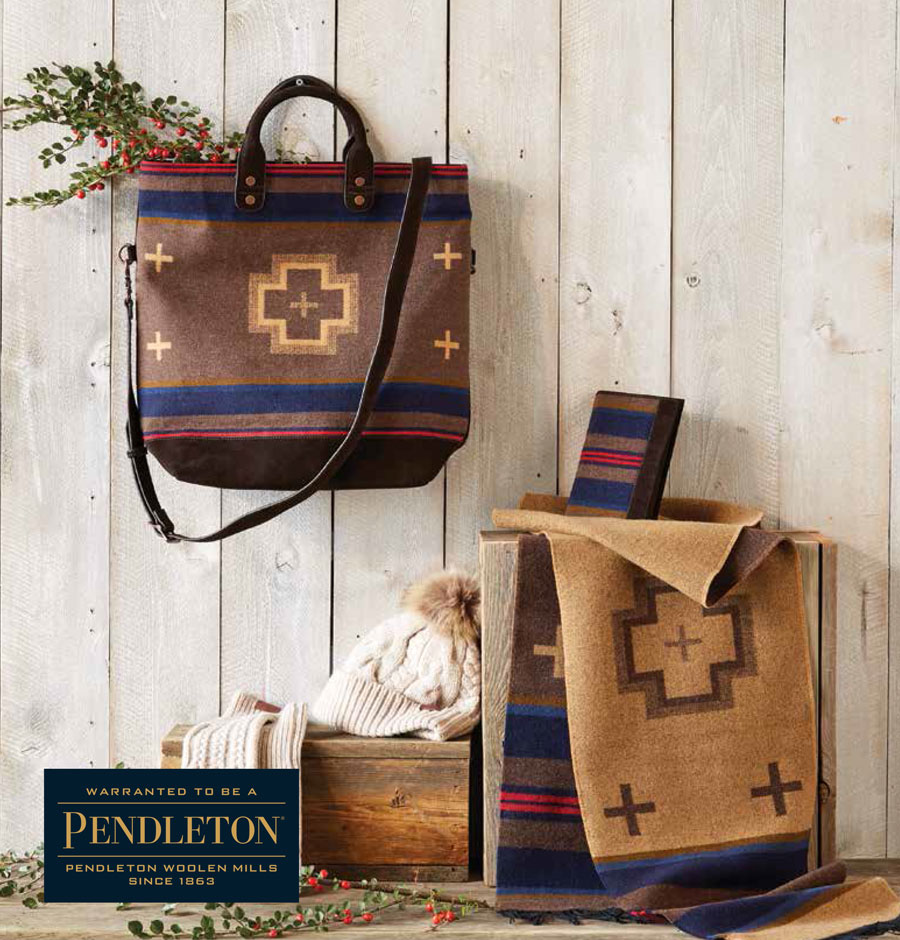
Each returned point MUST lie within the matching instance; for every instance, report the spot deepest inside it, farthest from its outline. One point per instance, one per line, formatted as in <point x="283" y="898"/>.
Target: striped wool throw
<point x="659" y="759"/>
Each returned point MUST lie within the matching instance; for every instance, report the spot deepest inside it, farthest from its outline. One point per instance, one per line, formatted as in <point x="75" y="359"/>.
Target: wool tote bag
<point x="297" y="326"/>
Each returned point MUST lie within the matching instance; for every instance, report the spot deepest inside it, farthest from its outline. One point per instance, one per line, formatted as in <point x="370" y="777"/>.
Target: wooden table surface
<point x="104" y="922"/>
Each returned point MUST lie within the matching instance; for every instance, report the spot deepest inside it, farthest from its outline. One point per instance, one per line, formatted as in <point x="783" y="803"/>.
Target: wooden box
<point x="818" y="558"/>
<point x="389" y="808"/>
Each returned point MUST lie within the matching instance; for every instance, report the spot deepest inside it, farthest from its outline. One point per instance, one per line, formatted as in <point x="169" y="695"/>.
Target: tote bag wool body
<point x="264" y="293"/>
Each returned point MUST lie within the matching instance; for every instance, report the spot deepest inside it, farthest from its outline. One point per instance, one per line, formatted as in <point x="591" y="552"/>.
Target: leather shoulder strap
<point x="394" y="291"/>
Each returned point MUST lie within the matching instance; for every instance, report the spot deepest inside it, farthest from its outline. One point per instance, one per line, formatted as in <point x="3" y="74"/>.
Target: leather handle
<point x="392" y="305"/>
<point x="359" y="165"/>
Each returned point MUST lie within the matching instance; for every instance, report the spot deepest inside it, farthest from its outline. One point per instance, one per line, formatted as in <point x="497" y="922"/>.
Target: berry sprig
<point x="114" y="118"/>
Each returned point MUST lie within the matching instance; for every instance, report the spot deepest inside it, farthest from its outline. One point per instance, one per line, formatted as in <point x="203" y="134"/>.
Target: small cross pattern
<point x="556" y="651"/>
<point x="159" y="346"/>
<point x="447" y="256"/>
<point x="776" y="789"/>
<point x="303" y="305"/>
<point x="446" y="344"/>
<point x="159" y="258"/>
<point x="629" y="809"/>
<point x="684" y="642"/>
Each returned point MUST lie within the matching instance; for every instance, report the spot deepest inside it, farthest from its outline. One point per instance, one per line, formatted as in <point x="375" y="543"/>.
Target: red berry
<point x="348" y="919"/>
<point x="429" y="907"/>
<point x="368" y="917"/>
<point x="451" y="915"/>
<point x="165" y="153"/>
<point x="273" y="932"/>
<point x="180" y="131"/>
<point x="215" y="158"/>
<point x="104" y="164"/>
<point x="102" y="142"/>
<point x="198" y="145"/>
<point x="143" y="132"/>
<point x="312" y="881"/>
<point x="126" y="159"/>
<point x="436" y="919"/>
<point x="132" y="143"/>
<point x="130" y="169"/>
<point x="318" y="889"/>
<point x="345" y="885"/>
<point x="219" y="148"/>
<point x="160" y="124"/>
<point x="323" y="873"/>
<point x="299" y="918"/>
<point x="116" y="144"/>
<point x="80" y="194"/>
<point x="99" y="186"/>
<point x="204" y="134"/>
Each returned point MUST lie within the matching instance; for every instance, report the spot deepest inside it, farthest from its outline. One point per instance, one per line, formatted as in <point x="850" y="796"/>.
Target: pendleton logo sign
<point x="171" y="835"/>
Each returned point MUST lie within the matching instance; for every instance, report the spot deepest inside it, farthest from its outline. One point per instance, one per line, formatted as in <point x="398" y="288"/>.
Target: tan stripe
<point x="554" y="902"/>
<point x="192" y="383"/>
<point x="308" y="419"/>
<point x="625" y="403"/>
<point x="596" y="471"/>
<point x="713" y="847"/>
<point x="227" y="222"/>
<point x="631" y="445"/>
<point x="538" y="772"/>
<point x="572" y="510"/>
<point x="554" y="701"/>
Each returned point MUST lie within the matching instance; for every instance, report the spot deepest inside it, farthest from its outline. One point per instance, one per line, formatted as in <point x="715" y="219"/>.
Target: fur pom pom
<point x="450" y="599"/>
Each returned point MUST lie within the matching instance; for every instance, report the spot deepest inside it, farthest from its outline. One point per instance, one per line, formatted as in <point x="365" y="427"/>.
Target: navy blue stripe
<point x="293" y="207"/>
<point x="285" y="399"/>
<point x="619" y="423"/>
<point x="745" y="914"/>
<point x="601" y="494"/>
<point x="530" y="736"/>
<point x="737" y="870"/>
<point x="545" y="871"/>
<point x="542" y="817"/>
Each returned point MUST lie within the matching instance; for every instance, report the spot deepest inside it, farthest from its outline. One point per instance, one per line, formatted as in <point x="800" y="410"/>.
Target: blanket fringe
<point x="873" y="930"/>
<point x="573" y="916"/>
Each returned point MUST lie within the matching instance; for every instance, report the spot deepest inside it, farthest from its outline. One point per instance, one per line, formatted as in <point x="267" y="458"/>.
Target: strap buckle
<point x="128" y="254"/>
<point x="163" y="528"/>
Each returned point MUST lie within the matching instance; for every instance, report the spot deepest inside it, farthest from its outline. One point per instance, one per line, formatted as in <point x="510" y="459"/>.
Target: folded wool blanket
<point x="659" y="753"/>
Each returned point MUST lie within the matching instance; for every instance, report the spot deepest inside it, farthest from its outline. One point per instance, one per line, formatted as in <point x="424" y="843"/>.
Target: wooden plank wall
<point x="685" y="196"/>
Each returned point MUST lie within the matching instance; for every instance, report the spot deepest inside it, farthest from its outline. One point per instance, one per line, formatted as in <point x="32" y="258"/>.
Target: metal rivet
<point x="250" y="200"/>
<point x="359" y="200"/>
<point x="250" y="181"/>
<point x="360" y="181"/>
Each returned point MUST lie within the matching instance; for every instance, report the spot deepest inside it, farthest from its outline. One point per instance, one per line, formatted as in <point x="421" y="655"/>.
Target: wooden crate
<point x="389" y="808"/>
<point x="818" y="559"/>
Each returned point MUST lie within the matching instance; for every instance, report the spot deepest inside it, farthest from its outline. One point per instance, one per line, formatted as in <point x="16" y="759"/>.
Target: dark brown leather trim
<point x="651" y="481"/>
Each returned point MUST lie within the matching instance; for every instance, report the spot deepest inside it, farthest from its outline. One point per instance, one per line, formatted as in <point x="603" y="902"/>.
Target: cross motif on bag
<point x="447" y="256"/>
<point x="446" y="344"/>
<point x="303" y="305"/>
<point x="777" y="789"/>
<point x="159" y="346"/>
<point x="684" y="642"/>
<point x="629" y="809"/>
<point x="159" y="258"/>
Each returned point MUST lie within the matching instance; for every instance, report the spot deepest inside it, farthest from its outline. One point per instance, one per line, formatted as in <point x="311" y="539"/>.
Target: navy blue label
<point x="171" y="835"/>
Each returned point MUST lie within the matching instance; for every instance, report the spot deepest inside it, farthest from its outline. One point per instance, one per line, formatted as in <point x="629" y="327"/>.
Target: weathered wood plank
<point x="384" y="540"/>
<point x="498" y="569"/>
<point x="616" y="150"/>
<point x="836" y="360"/>
<point x="54" y="465"/>
<point x="726" y="226"/>
<point x="508" y="133"/>
<point x="276" y="580"/>
<point x="383" y="811"/>
<point x="164" y="599"/>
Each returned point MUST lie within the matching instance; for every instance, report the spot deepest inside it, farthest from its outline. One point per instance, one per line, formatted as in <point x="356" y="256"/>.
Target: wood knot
<point x="399" y="800"/>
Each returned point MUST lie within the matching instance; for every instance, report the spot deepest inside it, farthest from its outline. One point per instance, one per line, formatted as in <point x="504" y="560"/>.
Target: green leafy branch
<point x="115" y="120"/>
<point x="23" y="875"/>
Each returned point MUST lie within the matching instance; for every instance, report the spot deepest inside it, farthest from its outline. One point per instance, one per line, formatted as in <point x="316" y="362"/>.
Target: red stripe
<point x="537" y="797"/>
<point x="150" y="435"/>
<point x="608" y="453"/>
<point x="540" y="808"/>
<point x="607" y="462"/>
<point x="300" y="169"/>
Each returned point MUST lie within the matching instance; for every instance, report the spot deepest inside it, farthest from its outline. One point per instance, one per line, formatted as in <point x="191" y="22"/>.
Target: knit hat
<point x="417" y="672"/>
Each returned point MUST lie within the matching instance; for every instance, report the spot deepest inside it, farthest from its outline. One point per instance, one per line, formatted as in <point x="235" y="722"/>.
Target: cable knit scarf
<point x="659" y="749"/>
